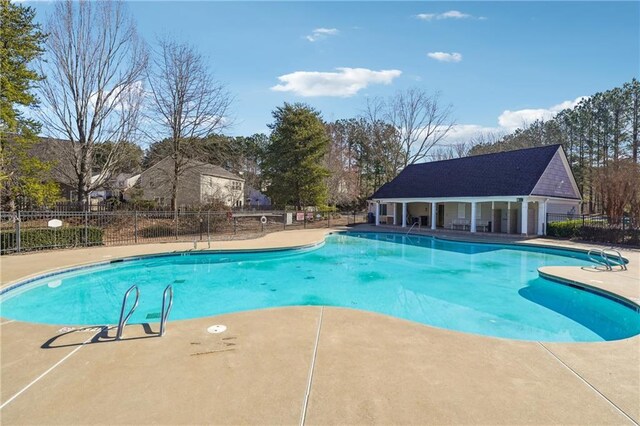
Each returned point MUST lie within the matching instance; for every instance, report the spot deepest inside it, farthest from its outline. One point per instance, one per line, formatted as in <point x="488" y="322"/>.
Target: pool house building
<point x="508" y="192"/>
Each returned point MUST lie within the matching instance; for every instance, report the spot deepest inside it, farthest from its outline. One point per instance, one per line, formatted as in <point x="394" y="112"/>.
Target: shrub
<point x="33" y="239"/>
<point x="566" y="229"/>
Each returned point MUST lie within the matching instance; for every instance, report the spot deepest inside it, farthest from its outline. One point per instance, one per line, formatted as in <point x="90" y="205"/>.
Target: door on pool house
<point x="440" y="217"/>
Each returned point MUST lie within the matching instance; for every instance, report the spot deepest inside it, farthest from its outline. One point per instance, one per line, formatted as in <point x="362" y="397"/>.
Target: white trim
<point x="501" y="199"/>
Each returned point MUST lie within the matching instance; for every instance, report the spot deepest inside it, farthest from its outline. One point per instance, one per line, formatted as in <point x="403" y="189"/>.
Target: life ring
<point x="229" y="215"/>
<point x="263" y="220"/>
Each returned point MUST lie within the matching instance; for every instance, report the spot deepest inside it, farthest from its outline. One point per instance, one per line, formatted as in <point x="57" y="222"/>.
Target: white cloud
<point x="511" y="120"/>
<point x="508" y="121"/>
<point x="452" y="14"/>
<point x="445" y="57"/>
<point x="465" y="132"/>
<point x="343" y="83"/>
<point x="426" y="16"/>
<point x="321" y="33"/>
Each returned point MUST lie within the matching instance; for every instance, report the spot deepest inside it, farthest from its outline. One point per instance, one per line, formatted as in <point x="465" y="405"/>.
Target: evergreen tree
<point x="21" y="174"/>
<point x="293" y="163"/>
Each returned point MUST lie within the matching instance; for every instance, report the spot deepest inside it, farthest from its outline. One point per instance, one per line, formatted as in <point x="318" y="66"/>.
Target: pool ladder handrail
<point x="414" y="224"/>
<point x="164" y="314"/>
<point x="608" y="257"/>
<point x="123" y="319"/>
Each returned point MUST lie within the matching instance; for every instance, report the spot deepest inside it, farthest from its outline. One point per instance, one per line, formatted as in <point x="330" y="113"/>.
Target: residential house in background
<point x="116" y="187"/>
<point x="199" y="183"/>
<point x="256" y="199"/>
<point x="508" y="192"/>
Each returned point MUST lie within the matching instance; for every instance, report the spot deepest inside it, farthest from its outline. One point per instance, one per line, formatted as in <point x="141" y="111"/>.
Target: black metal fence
<point x="37" y="230"/>
<point x="604" y="229"/>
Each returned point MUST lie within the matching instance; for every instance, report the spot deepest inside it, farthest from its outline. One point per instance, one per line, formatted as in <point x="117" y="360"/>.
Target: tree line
<point x="600" y="138"/>
<point x="94" y="83"/>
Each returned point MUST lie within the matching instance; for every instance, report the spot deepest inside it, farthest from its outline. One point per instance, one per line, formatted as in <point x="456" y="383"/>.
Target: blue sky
<point x="497" y="63"/>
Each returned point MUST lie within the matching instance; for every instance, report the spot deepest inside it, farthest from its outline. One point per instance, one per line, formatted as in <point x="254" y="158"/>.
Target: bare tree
<point x="421" y="120"/>
<point x="448" y="152"/>
<point x="187" y="104"/>
<point x="93" y="91"/>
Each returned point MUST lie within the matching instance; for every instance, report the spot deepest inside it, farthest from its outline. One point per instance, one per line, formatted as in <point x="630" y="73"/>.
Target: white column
<point x="524" y="216"/>
<point x="404" y="215"/>
<point x="542" y="216"/>
<point x="508" y="231"/>
<point x="493" y="217"/>
<point x="473" y="215"/>
<point x="434" y="215"/>
<point x="393" y="210"/>
<point x="377" y="213"/>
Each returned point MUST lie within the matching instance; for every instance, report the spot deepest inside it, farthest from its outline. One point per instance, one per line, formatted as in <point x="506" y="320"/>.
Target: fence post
<point x="176" y="215"/>
<point x="208" y="214"/>
<point x="18" y="236"/>
<point x="135" y="226"/>
<point x="329" y="220"/>
<point x="583" y="221"/>
<point x="304" y="221"/>
<point x="284" y="220"/>
<point x="86" y="228"/>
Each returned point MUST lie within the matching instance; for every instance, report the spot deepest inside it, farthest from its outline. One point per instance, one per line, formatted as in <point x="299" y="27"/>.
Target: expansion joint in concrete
<point x="311" y="368"/>
<point x="603" y="396"/>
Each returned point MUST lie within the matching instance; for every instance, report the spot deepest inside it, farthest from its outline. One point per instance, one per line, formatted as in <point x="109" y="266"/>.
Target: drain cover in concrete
<point x="215" y="329"/>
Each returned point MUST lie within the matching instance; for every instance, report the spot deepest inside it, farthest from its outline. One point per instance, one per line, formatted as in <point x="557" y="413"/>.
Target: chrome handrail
<point x="617" y="258"/>
<point x="414" y="224"/>
<point x="123" y="318"/>
<point x="165" y="314"/>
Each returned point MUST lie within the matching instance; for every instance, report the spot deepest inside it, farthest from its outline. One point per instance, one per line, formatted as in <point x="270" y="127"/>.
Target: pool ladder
<point x="167" y="303"/>
<point x="607" y="257"/>
<point x="414" y="224"/>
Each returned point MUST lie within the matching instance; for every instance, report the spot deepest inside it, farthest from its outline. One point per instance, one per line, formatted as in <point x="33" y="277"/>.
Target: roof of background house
<point x="511" y="173"/>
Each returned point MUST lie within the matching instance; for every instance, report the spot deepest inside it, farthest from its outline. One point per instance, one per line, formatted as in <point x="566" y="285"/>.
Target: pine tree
<point x="293" y="164"/>
<point x="21" y="175"/>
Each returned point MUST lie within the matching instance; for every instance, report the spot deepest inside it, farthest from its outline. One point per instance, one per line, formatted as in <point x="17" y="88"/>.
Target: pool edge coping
<point x="616" y="297"/>
<point x="629" y="302"/>
<point x="15" y="284"/>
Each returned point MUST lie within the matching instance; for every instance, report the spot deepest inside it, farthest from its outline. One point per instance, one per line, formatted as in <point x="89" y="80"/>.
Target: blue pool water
<point x="477" y="288"/>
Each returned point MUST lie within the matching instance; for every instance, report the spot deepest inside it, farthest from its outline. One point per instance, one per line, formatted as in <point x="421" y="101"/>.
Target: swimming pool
<point x="485" y="289"/>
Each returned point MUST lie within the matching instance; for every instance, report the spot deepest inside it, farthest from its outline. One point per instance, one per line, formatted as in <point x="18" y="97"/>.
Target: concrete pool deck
<point x="313" y="365"/>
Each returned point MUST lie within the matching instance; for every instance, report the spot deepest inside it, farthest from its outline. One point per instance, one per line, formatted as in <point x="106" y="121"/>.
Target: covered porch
<point x="506" y="215"/>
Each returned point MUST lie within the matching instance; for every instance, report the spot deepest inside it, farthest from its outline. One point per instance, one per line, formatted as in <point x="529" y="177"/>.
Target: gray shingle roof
<point x="511" y="173"/>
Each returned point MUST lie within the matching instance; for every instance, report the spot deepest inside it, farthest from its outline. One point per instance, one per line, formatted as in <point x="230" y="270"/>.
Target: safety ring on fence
<point x="263" y="220"/>
<point x="229" y="215"/>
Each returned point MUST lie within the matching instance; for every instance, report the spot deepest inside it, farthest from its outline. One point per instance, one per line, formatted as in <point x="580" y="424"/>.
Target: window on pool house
<point x="383" y="209"/>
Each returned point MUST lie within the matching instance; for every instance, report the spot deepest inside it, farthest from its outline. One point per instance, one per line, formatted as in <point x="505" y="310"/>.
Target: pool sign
<point x="55" y="223"/>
